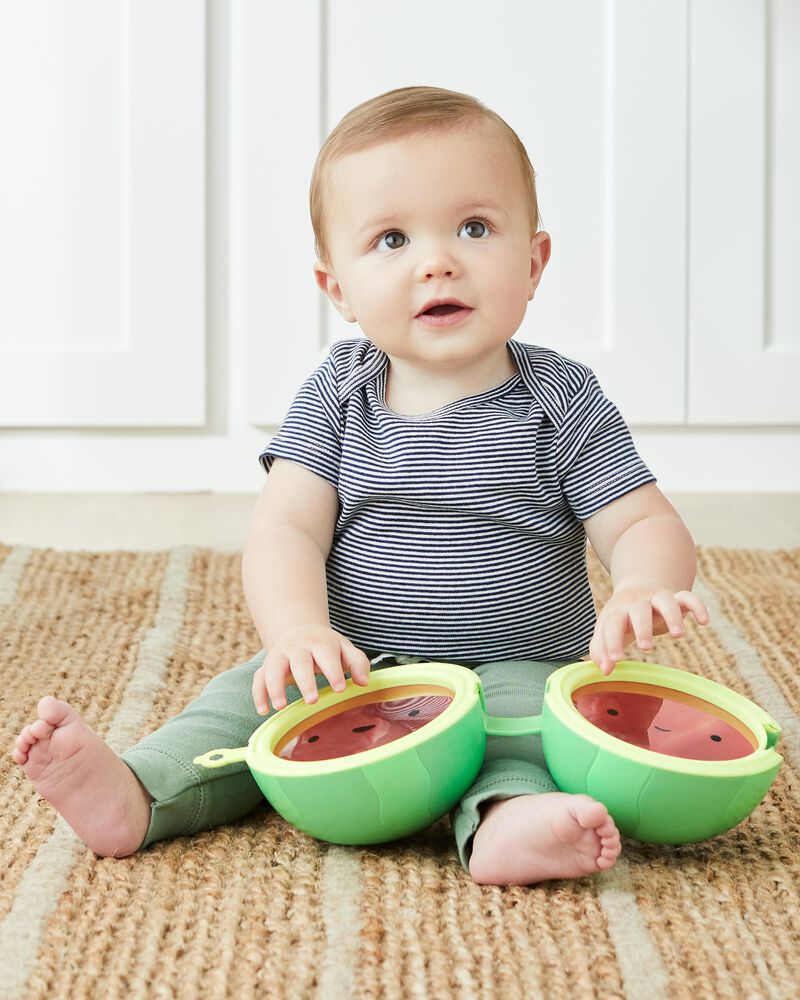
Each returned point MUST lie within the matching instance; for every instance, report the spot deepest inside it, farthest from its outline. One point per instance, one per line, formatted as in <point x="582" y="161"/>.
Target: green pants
<point x="188" y="798"/>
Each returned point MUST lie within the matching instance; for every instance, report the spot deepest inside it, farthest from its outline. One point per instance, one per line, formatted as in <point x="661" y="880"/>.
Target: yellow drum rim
<point x="566" y="680"/>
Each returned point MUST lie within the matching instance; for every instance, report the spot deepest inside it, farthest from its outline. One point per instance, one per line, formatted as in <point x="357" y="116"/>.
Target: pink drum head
<point x="664" y="720"/>
<point x="364" y="722"/>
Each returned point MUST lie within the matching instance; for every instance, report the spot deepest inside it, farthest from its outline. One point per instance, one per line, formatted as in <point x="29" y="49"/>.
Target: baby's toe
<point x="607" y="830"/>
<point x="610" y="846"/>
<point x="25" y="739"/>
<point x="591" y="814"/>
<point x="52" y="710"/>
<point x="41" y="729"/>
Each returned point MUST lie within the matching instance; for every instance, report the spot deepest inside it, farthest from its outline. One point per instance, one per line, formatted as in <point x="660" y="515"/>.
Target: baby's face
<point x="435" y="216"/>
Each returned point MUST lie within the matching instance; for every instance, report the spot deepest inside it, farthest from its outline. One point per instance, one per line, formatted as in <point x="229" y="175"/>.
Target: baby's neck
<point x="413" y="391"/>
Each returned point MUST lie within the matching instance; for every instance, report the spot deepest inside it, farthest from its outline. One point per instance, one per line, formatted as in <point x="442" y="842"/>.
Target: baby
<point x="429" y="497"/>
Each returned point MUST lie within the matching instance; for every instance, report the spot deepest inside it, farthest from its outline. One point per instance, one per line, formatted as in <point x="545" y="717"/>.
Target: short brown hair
<point x="394" y="115"/>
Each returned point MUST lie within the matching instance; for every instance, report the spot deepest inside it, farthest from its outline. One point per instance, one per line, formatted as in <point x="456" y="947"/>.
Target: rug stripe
<point x="155" y="653"/>
<point x="638" y="955"/>
<point x="47" y="876"/>
<point x="341" y="894"/>
<point x="11" y="572"/>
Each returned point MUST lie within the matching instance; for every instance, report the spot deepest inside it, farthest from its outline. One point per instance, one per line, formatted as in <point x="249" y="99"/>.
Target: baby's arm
<point x="642" y="542"/>
<point x="283" y="572"/>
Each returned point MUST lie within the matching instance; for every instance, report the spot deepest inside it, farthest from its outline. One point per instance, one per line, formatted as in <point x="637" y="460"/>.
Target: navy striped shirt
<point x="460" y="534"/>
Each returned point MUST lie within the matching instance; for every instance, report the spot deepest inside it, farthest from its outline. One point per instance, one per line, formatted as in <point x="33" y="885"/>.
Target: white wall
<point x="231" y="314"/>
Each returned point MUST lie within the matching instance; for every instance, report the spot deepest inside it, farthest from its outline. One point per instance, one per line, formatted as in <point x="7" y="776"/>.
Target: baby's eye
<point x="477" y="228"/>
<point x="390" y="236"/>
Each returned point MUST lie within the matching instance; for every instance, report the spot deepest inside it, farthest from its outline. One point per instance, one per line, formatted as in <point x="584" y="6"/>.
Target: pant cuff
<point x="495" y="783"/>
<point x="176" y="790"/>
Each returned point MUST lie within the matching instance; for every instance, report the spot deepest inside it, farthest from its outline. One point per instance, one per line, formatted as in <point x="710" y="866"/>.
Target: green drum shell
<point x="653" y="797"/>
<point x="385" y="793"/>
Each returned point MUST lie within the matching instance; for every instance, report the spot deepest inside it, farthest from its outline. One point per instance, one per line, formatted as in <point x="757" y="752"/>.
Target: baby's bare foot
<point x="81" y="776"/>
<point x="530" y="838"/>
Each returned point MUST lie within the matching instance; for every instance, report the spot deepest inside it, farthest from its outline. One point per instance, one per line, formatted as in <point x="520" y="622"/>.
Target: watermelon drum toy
<point x="674" y="757"/>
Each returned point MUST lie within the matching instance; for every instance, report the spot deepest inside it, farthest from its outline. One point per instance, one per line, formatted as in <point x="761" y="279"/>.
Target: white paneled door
<point x="276" y="131"/>
<point x="597" y="92"/>
<point x="102" y="213"/>
<point x="744" y="315"/>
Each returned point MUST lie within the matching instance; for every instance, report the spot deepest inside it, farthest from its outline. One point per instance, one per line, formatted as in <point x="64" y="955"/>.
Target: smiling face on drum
<point x="665" y="721"/>
<point x="364" y="727"/>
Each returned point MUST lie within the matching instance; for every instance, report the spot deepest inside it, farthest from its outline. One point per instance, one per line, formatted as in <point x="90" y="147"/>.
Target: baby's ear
<point x="540" y="254"/>
<point x="327" y="281"/>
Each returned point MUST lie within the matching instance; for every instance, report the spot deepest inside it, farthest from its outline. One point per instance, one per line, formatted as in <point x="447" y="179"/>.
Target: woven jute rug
<point x="257" y="909"/>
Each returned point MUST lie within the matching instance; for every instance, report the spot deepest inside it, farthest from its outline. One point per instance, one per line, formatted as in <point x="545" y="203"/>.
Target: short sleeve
<point x="596" y="457"/>
<point x="311" y="431"/>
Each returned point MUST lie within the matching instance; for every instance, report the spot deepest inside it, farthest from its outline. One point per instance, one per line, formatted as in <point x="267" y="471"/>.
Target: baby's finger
<point x="260" y="689"/>
<point x="356" y="662"/>
<point x="329" y="662"/>
<point x="599" y="653"/>
<point x="276" y="668"/>
<point x="665" y="604"/>
<point x="304" y="674"/>
<point x="641" y="616"/>
<point x="614" y="634"/>
<point x="692" y="603"/>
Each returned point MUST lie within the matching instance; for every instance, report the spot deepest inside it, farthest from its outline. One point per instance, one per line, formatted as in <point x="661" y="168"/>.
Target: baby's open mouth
<point x="444" y="314"/>
<point x="442" y="310"/>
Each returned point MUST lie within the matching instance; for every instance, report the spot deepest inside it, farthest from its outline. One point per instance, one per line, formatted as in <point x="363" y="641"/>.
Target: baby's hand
<point x="641" y="611"/>
<point x="301" y="653"/>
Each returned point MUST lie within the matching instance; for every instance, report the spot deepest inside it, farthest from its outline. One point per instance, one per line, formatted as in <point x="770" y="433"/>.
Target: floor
<point x="102" y="521"/>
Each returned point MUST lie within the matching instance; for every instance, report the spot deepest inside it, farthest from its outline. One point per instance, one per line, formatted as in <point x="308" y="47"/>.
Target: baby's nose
<point x="437" y="265"/>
